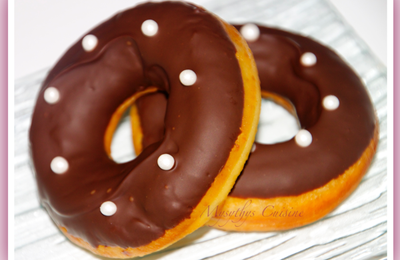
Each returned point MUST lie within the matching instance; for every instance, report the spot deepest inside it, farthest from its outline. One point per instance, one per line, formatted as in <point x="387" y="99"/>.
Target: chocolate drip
<point x="93" y="84"/>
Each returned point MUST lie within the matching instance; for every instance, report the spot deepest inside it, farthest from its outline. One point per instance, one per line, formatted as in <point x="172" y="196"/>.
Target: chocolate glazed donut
<point x="296" y="182"/>
<point x="141" y="206"/>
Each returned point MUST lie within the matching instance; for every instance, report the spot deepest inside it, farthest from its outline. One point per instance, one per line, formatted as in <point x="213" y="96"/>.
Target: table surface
<point x="44" y="29"/>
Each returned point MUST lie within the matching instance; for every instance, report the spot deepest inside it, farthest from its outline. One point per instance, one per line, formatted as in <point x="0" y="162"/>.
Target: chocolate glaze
<point x="93" y="84"/>
<point x="339" y="137"/>
<point x="151" y="109"/>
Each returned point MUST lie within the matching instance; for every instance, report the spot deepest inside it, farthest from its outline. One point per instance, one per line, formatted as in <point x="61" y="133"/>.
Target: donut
<point x="143" y="205"/>
<point x="296" y="182"/>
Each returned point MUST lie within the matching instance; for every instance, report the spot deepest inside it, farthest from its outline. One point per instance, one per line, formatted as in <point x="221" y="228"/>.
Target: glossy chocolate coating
<point x="339" y="136"/>
<point x="152" y="109"/>
<point x="93" y="84"/>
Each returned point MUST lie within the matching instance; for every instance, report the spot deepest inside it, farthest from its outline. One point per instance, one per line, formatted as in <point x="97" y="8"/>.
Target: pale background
<point x="44" y="29"/>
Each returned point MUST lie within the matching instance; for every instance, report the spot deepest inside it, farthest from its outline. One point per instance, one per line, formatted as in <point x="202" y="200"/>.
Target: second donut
<point x="293" y="183"/>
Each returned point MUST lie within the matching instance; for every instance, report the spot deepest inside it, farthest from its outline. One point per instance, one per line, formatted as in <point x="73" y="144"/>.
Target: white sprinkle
<point x="149" y="28"/>
<point x="59" y="165"/>
<point x="188" y="77"/>
<point x="166" y="162"/>
<point x="253" y="148"/>
<point x="330" y="102"/>
<point x="89" y="42"/>
<point x="250" y="32"/>
<point x="303" y="138"/>
<point x="108" y="208"/>
<point x="308" y="59"/>
<point x="51" y="95"/>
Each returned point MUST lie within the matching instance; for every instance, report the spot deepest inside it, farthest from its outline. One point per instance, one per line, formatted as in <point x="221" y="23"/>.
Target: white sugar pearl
<point x="303" y="138"/>
<point x="250" y="32"/>
<point x="253" y="148"/>
<point x="330" y="102"/>
<point x="149" y="28"/>
<point x="59" y="165"/>
<point x="108" y="208"/>
<point x="51" y="95"/>
<point x="188" y="77"/>
<point x="308" y="59"/>
<point x="166" y="162"/>
<point x="89" y="42"/>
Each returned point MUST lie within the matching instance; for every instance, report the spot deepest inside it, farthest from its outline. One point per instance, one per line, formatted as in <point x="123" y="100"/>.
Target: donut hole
<point x="276" y="123"/>
<point x="118" y="141"/>
<point x="122" y="145"/>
